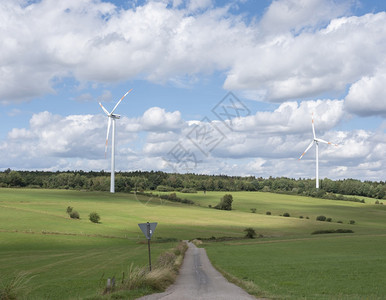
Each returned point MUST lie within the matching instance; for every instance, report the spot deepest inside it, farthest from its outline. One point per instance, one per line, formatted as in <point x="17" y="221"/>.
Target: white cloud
<point x="50" y="138"/>
<point x="294" y="15"/>
<point x="287" y="55"/>
<point x="366" y="96"/>
<point x="155" y="142"/>
<point x="157" y="119"/>
<point x="291" y="117"/>
<point x="195" y="5"/>
<point x="289" y="66"/>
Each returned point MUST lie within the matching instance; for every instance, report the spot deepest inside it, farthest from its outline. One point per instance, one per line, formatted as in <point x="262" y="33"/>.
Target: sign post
<point x="148" y="230"/>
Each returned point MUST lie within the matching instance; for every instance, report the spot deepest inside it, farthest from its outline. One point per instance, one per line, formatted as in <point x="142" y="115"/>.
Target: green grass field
<point x="71" y="259"/>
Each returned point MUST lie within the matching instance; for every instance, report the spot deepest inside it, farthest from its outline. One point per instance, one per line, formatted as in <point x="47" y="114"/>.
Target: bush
<point x="300" y="217"/>
<point x="164" y="188"/>
<point x="225" y="203"/>
<point x="250" y="233"/>
<point x="253" y="210"/>
<point x="286" y="214"/>
<point x="332" y="231"/>
<point x="268" y="213"/>
<point x="173" y="197"/>
<point x="352" y="222"/>
<point x="321" y="218"/>
<point x="340" y="222"/>
<point x="328" y="219"/>
<point x="74" y="215"/>
<point x="307" y="217"/>
<point x="188" y="190"/>
<point x="94" y="217"/>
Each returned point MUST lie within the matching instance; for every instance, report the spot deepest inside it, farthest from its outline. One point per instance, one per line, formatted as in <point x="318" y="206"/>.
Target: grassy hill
<point x="69" y="258"/>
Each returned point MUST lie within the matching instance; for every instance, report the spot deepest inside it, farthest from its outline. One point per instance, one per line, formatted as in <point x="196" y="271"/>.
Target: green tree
<point x="15" y="179"/>
<point x="225" y="202"/>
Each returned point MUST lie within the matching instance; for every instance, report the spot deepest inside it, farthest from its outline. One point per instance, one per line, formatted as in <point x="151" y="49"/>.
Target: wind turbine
<point x="316" y="141"/>
<point x="112" y="117"/>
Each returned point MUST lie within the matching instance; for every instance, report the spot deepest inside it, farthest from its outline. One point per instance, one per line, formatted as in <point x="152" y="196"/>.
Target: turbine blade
<point x="107" y="136"/>
<point x="313" y="126"/>
<point x="120" y="100"/>
<point x="104" y="109"/>
<point x="308" y="148"/>
<point x="325" y="142"/>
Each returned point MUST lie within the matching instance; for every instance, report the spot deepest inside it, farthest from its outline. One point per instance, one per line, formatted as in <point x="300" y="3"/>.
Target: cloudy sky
<point x="219" y="87"/>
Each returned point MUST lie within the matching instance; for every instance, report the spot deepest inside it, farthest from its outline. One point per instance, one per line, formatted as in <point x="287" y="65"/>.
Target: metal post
<point x="148" y="243"/>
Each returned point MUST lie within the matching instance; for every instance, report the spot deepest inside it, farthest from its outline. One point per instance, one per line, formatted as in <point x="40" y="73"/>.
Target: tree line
<point x="139" y="181"/>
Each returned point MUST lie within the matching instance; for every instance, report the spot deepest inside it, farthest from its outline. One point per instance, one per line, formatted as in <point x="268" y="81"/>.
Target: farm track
<point x="198" y="279"/>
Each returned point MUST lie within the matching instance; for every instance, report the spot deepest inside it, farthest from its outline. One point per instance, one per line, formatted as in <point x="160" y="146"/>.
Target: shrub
<point x="69" y="209"/>
<point x="307" y="217"/>
<point x="74" y="215"/>
<point x="94" y="217"/>
<point x="188" y="190"/>
<point x="225" y="203"/>
<point x="250" y="233"/>
<point x="352" y="222"/>
<point x="286" y="214"/>
<point x="339" y="222"/>
<point x="328" y="219"/>
<point x="320" y="218"/>
<point x="268" y="213"/>
<point x="332" y="231"/>
<point x="377" y="202"/>
<point x="253" y="210"/>
<point x="300" y="217"/>
<point x="173" y="197"/>
<point x="344" y="231"/>
<point x="210" y="206"/>
<point x="164" y="188"/>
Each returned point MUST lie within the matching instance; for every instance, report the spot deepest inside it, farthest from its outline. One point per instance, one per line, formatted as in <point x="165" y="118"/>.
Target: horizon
<point x="219" y="87"/>
<point x="195" y="174"/>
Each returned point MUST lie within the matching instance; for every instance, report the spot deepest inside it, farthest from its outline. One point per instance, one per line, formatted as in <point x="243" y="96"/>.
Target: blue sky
<point x="281" y="60"/>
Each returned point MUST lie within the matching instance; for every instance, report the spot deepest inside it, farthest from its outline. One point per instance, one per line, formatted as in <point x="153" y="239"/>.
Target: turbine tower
<point x="112" y="117"/>
<point x="316" y="141"/>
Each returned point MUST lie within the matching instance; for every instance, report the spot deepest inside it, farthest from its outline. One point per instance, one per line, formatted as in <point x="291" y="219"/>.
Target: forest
<point x="140" y="181"/>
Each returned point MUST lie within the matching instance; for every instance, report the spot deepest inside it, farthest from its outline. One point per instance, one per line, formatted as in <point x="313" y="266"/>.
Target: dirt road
<point x="199" y="280"/>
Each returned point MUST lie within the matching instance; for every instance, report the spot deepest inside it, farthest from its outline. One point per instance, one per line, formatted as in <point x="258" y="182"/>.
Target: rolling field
<point x="70" y="259"/>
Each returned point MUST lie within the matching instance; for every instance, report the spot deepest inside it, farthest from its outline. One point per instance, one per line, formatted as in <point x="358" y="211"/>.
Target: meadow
<point x="71" y="259"/>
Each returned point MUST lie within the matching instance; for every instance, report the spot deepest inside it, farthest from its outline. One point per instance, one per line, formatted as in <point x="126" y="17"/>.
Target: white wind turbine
<point x="316" y="141"/>
<point x="112" y="118"/>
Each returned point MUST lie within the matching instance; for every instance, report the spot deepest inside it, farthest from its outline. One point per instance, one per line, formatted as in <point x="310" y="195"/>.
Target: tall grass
<point x="162" y="275"/>
<point x="15" y="287"/>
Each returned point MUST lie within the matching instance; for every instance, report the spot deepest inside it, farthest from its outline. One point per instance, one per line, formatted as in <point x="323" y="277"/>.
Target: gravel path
<point x="199" y="280"/>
